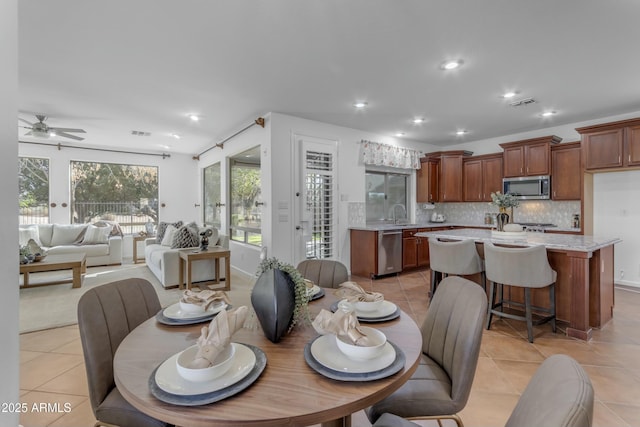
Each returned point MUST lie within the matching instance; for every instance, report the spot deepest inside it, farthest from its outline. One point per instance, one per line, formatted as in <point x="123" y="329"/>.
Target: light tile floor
<point x="52" y="367"/>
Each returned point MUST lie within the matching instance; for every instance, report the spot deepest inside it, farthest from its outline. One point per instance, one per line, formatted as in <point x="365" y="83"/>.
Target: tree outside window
<point x="246" y="201"/>
<point x="33" y="190"/>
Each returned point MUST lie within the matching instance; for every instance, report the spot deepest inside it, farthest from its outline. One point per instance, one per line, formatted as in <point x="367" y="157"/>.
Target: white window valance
<point x="374" y="153"/>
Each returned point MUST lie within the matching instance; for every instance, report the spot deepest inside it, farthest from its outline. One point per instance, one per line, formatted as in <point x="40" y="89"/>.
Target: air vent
<point x="521" y="102"/>
<point x="140" y="133"/>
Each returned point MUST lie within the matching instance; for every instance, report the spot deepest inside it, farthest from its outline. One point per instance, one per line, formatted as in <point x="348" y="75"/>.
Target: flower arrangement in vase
<point x="504" y="202"/>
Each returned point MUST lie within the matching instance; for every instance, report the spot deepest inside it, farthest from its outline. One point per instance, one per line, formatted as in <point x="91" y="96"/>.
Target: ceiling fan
<point x="41" y="130"/>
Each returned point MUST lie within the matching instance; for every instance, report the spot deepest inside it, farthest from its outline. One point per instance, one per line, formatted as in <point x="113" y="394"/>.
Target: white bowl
<point x="367" y="306"/>
<point x="356" y="352"/>
<point x="189" y="308"/>
<point x="220" y="366"/>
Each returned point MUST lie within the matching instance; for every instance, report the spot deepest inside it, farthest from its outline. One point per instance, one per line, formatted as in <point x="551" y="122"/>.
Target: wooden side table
<point x="213" y="253"/>
<point x="137" y="239"/>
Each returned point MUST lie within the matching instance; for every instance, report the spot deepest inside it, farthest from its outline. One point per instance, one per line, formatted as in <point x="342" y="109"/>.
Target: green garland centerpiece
<point x="301" y="309"/>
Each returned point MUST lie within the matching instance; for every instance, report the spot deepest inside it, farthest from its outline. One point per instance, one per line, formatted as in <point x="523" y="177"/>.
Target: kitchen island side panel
<point x="364" y="253"/>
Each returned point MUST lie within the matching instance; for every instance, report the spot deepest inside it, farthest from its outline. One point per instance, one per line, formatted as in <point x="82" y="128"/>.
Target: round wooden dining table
<point x="287" y="393"/>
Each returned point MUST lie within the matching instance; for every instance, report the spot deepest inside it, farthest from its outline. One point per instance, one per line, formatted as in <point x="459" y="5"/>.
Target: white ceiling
<point x="114" y="66"/>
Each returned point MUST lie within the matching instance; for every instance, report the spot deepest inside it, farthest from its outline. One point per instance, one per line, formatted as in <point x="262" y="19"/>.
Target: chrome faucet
<point x="393" y="212"/>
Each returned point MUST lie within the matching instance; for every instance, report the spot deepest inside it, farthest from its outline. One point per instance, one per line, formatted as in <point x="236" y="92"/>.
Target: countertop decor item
<point x="504" y="201"/>
<point x="279" y="298"/>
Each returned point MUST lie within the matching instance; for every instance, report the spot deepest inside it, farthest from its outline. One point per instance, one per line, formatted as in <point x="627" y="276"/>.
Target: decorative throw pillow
<point x="115" y="227"/>
<point x="96" y="235"/>
<point x="162" y="227"/>
<point x="186" y="236"/>
<point x="169" y="232"/>
<point x="27" y="233"/>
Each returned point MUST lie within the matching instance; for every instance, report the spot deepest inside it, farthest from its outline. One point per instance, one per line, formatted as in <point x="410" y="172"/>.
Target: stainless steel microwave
<point x="528" y="187"/>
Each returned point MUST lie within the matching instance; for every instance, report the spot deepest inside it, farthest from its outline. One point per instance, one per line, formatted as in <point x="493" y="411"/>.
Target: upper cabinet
<point x="427" y="181"/>
<point x="445" y="168"/>
<point x="611" y="145"/>
<point x="529" y="157"/>
<point x="481" y="176"/>
<point x="566" y="181"/>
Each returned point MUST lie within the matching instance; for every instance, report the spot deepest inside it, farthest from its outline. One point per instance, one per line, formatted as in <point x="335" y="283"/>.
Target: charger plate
<point x="211" y="396"/>
<point x="161" y="318"/>
<point x="317" y="295"/>
<point x="374" y="317"/>
<point x="396" y="365"/>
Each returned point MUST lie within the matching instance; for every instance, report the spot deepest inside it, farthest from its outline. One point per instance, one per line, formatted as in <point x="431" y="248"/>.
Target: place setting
<point x="370" y="307"/>
<point x="194" y="307"/>
<point x="347" y="351"/>
<point x="314" y="291"/>
<point x="213" y="369"/>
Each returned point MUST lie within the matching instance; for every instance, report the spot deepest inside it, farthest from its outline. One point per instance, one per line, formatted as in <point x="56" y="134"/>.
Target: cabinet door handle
<point x="520" y="170"/>
<point x="629" y="158"/>
<point x="618" y="159"/>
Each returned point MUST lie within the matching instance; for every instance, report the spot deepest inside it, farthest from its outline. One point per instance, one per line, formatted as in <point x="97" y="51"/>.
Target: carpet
<point x="54" y="306"/>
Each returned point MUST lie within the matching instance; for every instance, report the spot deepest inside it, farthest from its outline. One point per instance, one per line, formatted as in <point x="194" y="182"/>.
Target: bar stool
<point x="522" y="267"/>
<point x="459" y="258"/>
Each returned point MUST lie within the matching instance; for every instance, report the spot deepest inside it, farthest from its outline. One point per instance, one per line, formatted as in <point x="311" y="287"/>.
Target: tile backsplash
<point x="542" y="211"/>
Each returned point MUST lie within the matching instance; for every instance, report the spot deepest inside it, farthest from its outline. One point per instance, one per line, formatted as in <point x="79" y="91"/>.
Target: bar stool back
<point x="527" y="268"/>
<point x="459" y="258"/>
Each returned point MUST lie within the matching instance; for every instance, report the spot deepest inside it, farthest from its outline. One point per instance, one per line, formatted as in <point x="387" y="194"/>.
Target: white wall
<point x="9" y="221"/>
<point x="616" y="212"/>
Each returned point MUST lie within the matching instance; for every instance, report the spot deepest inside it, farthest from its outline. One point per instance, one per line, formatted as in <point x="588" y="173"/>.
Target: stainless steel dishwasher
<point x="389" y="251"/>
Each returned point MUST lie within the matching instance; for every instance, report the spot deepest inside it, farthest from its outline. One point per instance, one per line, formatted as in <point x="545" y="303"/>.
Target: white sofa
<point x="69" y="238"/>
<point x="164" y="262"/>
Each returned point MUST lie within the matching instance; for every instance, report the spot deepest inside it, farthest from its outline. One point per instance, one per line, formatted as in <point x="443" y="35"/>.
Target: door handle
<point x="298" y="227"/>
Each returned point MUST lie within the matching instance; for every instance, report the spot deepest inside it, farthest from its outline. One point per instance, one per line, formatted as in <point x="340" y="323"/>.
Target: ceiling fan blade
<point x="68" y="135"/>
<point x="23" y="120"/>
<point x="28" y="133"/>
<point x="67" y="130"/>
<point x="25" y="127"/>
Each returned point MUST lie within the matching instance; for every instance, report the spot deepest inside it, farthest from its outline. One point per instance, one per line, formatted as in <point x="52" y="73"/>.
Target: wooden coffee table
<point x="75" y="262"/>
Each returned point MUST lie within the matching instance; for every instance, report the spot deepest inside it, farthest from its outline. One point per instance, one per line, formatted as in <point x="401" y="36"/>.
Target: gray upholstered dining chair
<point x="451" y="336"/>
<point x="459" y="258"/>
<point x="522" y="267"/>
<point x="106" y="315"/>
<point x="559" y="394"/>
<point x="324" y="272"/>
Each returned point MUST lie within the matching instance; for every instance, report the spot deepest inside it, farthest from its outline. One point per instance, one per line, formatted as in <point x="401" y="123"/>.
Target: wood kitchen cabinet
<point x="364" y="253"/>
<point x="427" y="181"/>
<point x="449" y="174"/>
<point x="481" y="176"/>
<point x="530" y="157"/>
<point x="566" y="181"/>
<point x="611" y="145"/>
<point x="415" y="250"/>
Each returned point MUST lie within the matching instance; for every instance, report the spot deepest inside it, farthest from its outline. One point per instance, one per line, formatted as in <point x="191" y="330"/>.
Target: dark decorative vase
<point x="501" y="220"/>
<point x="273" y="298"/>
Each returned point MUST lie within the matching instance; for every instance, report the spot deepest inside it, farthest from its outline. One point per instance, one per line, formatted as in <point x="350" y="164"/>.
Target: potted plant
<point x="279" y="298"/>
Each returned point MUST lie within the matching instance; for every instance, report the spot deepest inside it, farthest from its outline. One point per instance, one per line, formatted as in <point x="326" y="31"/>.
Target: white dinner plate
<point x="174" y="312"/>
<point x="386" y="309"/>
<point x="326" y="352"/>
<point x="313" y="291"/>
<point x="169" y="380"/>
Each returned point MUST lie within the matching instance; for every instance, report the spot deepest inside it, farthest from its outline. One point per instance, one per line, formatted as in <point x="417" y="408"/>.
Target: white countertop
<point x="379" y="227"/>
<point x="572" y="242"/>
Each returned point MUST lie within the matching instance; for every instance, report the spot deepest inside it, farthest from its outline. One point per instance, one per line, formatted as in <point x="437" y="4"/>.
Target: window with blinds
<point x="319" y="204"/>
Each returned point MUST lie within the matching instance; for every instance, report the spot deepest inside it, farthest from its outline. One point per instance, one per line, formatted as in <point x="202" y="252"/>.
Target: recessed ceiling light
<point x="194" y="117"/>
<point x="418" y="120"/>
<point x="360" y="104"/>
<point x="508" y="95"/>
<point x="176" y="136"/>
<point x="451" y="65"/>
<point x="461" y="132"/>
<point x="52" y="133"/>
<point x="399" y="134"/>
<point x="548" y="113"/>
<point x="166" y="147"/>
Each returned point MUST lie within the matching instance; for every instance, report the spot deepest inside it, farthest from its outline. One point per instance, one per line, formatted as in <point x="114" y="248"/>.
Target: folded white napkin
<point x="215" y="337"/>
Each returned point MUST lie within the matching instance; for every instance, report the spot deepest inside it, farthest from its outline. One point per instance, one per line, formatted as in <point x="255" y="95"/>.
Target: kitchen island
<point x="584" y="287"/>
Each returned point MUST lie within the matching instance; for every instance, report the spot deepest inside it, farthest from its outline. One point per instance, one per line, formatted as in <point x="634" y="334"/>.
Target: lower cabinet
<point x="415" y="250"/>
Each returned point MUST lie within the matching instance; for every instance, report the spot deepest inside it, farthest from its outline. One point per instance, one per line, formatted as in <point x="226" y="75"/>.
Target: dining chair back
<point x="451" y="337"/>
<point x="527" y="268"/>
<point x="106" y="315"/>
<point x="559" y="394"/>
<point x="324" y="272"/>
<point x="459" y="258"/>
